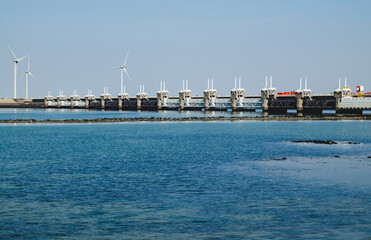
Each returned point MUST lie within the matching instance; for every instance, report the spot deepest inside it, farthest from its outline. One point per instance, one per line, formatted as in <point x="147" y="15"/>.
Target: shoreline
<point x="194" y="119"/>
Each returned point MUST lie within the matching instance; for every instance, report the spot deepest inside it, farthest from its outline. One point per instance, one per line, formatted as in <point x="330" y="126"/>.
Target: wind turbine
<point x="123" y="69"/>
<point x="15" y="60"/>
<point x="28" y="73"/>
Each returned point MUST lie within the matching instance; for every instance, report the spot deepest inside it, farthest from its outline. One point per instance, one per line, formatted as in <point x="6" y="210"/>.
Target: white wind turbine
<point x="123" y="69"/>
<point x="28" y="72"/>
<point x="15" y="60"/>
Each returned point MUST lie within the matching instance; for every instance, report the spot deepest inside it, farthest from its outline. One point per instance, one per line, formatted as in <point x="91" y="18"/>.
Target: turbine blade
<point x="22" y="58"/>
<point x="28" y="62"/>
<point x="12" y="52"/>
<point x="117" y="67"/>
<point x="127" y="74"/>
<point x="33" y="76"/>
<point x="126" y="58"/>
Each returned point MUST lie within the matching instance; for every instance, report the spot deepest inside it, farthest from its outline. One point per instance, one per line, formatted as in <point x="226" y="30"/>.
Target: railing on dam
<point x="215" y="103"/>
<point x="250" y="103"/>
<point x="78" y="104"/>
<point x="170" y="103"/>
<point x="355" y="103"/>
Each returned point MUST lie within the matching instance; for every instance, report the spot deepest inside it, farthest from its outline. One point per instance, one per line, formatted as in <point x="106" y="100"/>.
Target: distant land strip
<point x="192" y="119"/>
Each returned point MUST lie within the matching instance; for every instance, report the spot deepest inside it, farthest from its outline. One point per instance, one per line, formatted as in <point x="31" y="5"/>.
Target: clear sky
<point x="75" y="44"/>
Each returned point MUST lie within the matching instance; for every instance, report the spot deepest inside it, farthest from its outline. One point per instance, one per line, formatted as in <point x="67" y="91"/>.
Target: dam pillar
<point x="104" y="97"/>
<point x="48" y="99"/>
<point x="237" y="95"/>
<point x="61" y="98"/>
<point x="207" y="100"/>
<point x="102" y="103"/>
<point x="181" y="99"/>
<point x="120" y="99"/>
<point x="87" y="103"/>
<point x="337" y="95"/>
<point x="299" y="101"/>
<point x="265" y="98"/>
<point x="162" y="96"/>
<point x="185" y="96"/>
<point x="140" y="96"/>
<point x="119" y="103"/>
<point x="159" y="100"/>
<point x="139" y="102"/>
<point x="234" y="99"/>
<point x="209" y="95"/>
<point x="268" y="94"/>
<point x="88" y="98"/>
<point x="74" y="98"/>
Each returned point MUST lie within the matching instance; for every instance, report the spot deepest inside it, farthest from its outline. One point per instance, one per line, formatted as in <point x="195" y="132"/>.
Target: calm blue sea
<point x="186" y="180"/>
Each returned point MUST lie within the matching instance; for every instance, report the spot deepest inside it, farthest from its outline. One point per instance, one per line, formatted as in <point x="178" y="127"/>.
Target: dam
<point x="269" y="101"/>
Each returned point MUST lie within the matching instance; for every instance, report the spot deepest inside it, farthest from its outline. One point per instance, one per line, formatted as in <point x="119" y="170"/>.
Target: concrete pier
<point x="140" y="97"/>
<point x="265" y="99"/>
<point x="48" y="99"/>
<point x="103" y="100"/>
<point x="209" y="98"/>
<point x="74" y="98"/>
<point x="299" y="95"/>
<point x="337" y="94"/>
<point x="184" y="97"/>
<point x="181" y="99"/>
<point x="237" y="96"/>
<point x="89" y="98"/>
<point x="162" y="96"/>
<point x="61" y="98"/>
<point x="120" y="98"/>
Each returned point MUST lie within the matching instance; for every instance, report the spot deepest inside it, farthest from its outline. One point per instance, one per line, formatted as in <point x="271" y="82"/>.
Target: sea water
<point x="53" y="113"/>
<point x="185" y="180"/>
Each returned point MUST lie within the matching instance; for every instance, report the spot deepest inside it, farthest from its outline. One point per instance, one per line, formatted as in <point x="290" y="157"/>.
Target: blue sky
<point x="75" y="44"/>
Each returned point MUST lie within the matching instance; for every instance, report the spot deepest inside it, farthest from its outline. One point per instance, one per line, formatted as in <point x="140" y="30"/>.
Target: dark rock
<point x="337" y="156"/>
<point x="316" y="141"/>
<point x="279" y="159"/>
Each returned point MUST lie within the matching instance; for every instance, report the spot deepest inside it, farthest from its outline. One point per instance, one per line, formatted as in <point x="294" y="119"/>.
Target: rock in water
<point x="316" y="141"/>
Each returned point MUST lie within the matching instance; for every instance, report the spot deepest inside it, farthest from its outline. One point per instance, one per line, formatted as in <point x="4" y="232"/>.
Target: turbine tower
<point x="15" y="60"/>
<point x="123" y="69"/>
<point x="28" y="72"/>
